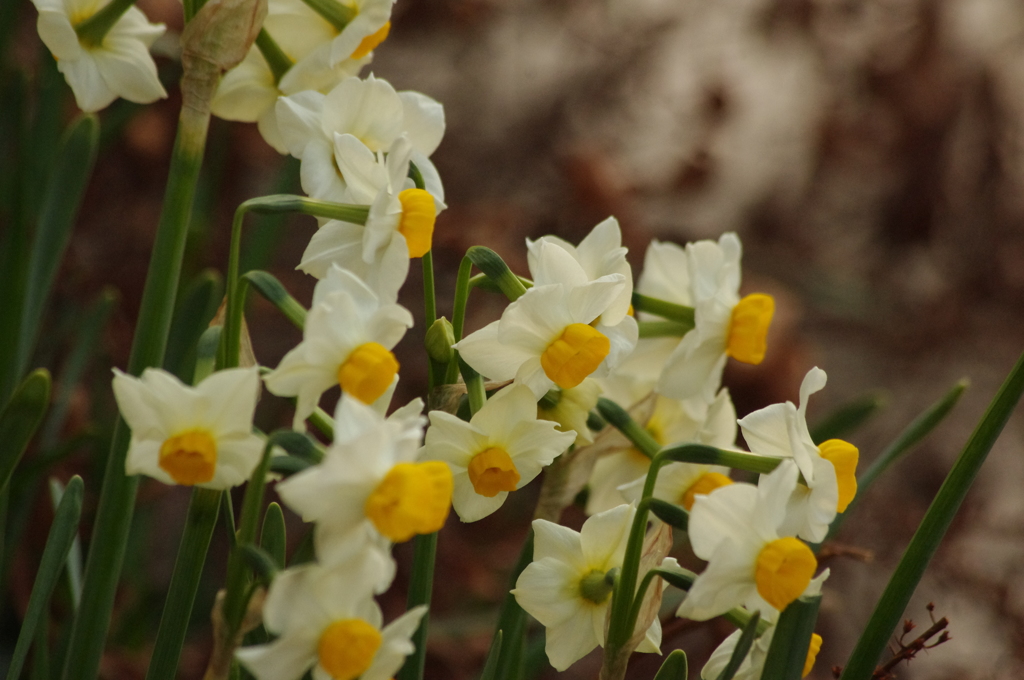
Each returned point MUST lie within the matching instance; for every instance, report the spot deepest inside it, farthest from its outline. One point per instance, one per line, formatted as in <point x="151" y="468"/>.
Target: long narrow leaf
<point x="848" y="417"/>
<point x="61" y="201"/>
<point x="933" y="527"/>
<point x="58" y="544"/>
<point x="273" y="536"/>
<point x="491" y="665"/>
<point x="74" y="561"/>
<point x="198" y="305"/>
<point x="19" y="420"/>
<point x="914" y="433"/>
<point x="788" y="652"/>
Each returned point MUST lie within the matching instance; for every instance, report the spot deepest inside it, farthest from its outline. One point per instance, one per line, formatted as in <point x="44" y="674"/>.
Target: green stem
<point x="462" y="289"/>
<point x="420" y="590"/>
<point x="512" y="617"/>
<point x="475" y="391"/>
<point x="92" y="31"/>
<point x="188" y="569"/>
<point x="933" y="527"/>
<point x="237" y="582"/>
<point x="117" y="496"/>
<point x="430" y="315"/>
<point x="663" y="308"/>
<point x="337" y="14"/>
<point x="624" y="423"/>
<point x="279" y="62"/>
<point x="662" y="329"/>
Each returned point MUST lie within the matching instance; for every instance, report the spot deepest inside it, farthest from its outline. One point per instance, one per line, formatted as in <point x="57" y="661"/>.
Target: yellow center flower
<point x="705" y="484"/>
<point x="574" y="355"/>
<point x="748" y="329"/>
<point x="812" y="654"/>
<point x="190" y="457"/>
<point x="418" y="216"/>
<point x="370" y="42"/>
<point x="784" y="568"/>
<point x="347" y="648"/>
<point x="843" y="456"/>
<point x="368" y="372"/>
<point x="492" y="471"/>
<point x="413" y="498"/>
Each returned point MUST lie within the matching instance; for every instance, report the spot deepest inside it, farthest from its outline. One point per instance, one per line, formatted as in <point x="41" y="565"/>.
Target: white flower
<point x="753" y="665"/>
<point x="705" y="276"/>
<point x="326" y="620"/>
<point x="248" y="92"/>
<point x="829" y="471"/>
<point x="750" y="563"/>
<point x="400" y="224"/>
<point x="545" y="338"/>
<point x="371" y="111"/>
<point x="198" y="435"/>
<point x="678" y="422"/>
<point x="348" y="337"/>
<point x="599" y="254"/>
<point x="120" y="66"/>
<point x="368" y="485"/>
<point x="501" y="449"/>
<point x="368" y="27"/>
<point x="571" y="408"/>
<point x="566" y="586"/>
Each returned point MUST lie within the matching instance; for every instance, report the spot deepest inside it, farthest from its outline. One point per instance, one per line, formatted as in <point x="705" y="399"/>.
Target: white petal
<point x="423" y="121"/>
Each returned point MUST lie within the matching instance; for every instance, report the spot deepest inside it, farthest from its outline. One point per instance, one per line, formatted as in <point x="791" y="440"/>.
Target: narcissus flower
<point x="736" y="528"/>
<point x="369" y="110"/>
<point x="400" y="224"/>
<point x="369" y="483"/>
<point x="619" y="476"/>
<point x="753" y="665"/>
<point x="568" y="587"/>
<point x="546" y="337"/>
<point x="347" y="341"/>
<point x="200" y="435"/>
<point x="326" y="620"/>
<point x="501" y="449"/>
<point x="829" y="470"/>
<point x="599" y="254"/>
<point x="570" y="408"/>
<point x="705" y="276"/>
<point x="249" y="92"/>
<point x="120" y="66"/>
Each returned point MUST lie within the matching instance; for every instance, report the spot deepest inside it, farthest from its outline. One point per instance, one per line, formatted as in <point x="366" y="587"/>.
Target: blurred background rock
<point x="870" y="153"/>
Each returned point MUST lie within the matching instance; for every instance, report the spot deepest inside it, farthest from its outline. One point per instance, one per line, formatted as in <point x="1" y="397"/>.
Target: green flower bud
<point x="439" y="341"/>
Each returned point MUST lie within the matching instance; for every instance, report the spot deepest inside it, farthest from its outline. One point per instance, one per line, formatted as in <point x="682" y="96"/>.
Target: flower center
<point x="190" y="457"/>
<point x="595" y="586"/>
<point x="347" y="648"/>
<point x="843" y="456"/>
<point x="784" y="568"/>
<point x="370" y="42"/>
<point x="705" y="484"/>
<point x="418" y="217"/>
<point x="748" y="329"/>
<point x="812" y="654"/>
<point x="492" y="471"/>
<point x="368" y="372"/>
<point x="413" y="498"/>
<point x="574" y="355"/>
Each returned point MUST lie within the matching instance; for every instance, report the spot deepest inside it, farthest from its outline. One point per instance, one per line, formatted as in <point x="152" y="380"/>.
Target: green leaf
<point x="87" y="340"/>
<point x="197" y="307"/>
<point x="907" y="440"/>
<point x="19" y="420"/>
<point x="933" y="527"/>
<point x="788" y="652"/>
<point x="670" y="513"/>
<point x="491" y="665"/>
<point x="273" y="535"/>
<point x="181" y="594"/>
<point x="421" y="585"/>
<point x="674" y="667"/>
<point x="742" y="648"/>
<point x="512" y="618"/>
<point x="60" y="206"/>
<point x="74" y="561"/>
<point x="58" y="544"/>
<point x="848" y="417"/>
<point x="270" y="288"/>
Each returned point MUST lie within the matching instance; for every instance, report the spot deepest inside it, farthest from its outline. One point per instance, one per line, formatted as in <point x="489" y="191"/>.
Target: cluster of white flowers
<point x="572" y="336"/>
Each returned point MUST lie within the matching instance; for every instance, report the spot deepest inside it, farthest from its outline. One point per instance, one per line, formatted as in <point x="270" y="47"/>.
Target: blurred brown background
<point x="870" y="153"/>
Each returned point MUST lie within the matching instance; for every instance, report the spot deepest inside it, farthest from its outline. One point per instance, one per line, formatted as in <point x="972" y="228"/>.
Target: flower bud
<point x="439" y="341"/>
